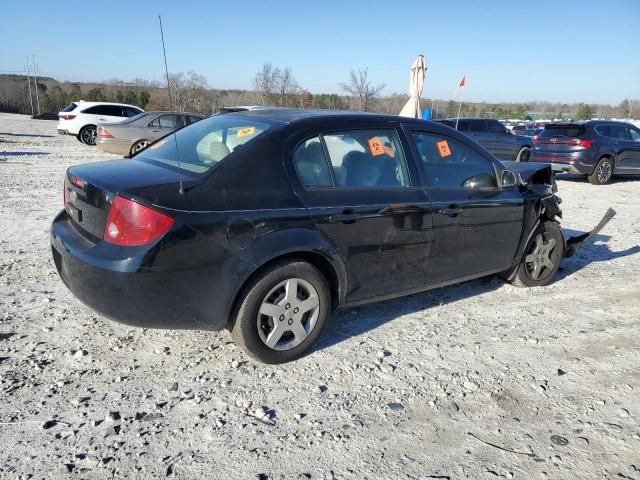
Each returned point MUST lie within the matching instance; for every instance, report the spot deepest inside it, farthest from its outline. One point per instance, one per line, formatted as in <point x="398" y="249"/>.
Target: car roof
<point x="293" y="115"/>
<point x="82" y="103"/>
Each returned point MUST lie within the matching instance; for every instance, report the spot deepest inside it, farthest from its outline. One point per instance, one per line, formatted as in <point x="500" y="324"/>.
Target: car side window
<point x="193" y="119"/>
<point x="477" y="126"/>
<point x="448" y="163"/>
<point x="634" y="134"/>
<point x="163" y="121"/>
<point x="311" y="164"/>
<point x="132" y="112"/>
<point x="495" y="126"/>
<point x="91" y="111"/>
<point x="367" y="158"/>
<point x="620" y="132"/>
<point x="110" y="110"/>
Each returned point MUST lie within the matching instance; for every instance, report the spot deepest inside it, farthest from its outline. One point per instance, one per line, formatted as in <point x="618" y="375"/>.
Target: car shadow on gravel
<point x="595" y="250"/>
<point x="27" y="135"/>
<point x="356" y="321"/>
<point x="19" y="154"/>
<point x="583" y="179"/>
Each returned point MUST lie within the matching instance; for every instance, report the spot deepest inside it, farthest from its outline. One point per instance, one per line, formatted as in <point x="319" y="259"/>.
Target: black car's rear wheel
<point x="524" y="155"/>
<point x="88" y="135"/>
<point x="603" y="172"/>
<point x="282" y="312"/>
<point x="542" y="257"/>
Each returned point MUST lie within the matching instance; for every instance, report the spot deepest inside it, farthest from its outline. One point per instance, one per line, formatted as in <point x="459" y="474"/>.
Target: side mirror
<point x="510" y="178"/>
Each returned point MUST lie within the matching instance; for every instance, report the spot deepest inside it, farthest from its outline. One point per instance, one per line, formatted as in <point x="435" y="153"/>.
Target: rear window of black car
<point x="203" y="145"/>
<point x="571" y="131"/>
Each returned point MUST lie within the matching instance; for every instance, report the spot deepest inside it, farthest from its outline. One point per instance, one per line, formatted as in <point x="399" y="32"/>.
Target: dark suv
<point x="596" y="148"/>
<point x="495" y="137"/>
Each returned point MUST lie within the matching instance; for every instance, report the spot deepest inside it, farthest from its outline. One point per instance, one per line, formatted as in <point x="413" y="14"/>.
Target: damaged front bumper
<point x="573" y="244"/>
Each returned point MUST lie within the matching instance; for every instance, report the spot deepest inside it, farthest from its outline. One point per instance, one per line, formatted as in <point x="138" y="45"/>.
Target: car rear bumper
<point x="124" y="289"/>
<point x="564" y="165"/>
<point x="114" y="146"/>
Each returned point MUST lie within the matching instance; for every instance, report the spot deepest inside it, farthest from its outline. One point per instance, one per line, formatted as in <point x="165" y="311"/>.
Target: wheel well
<point x="315" y="259"/>
<point x="87" y="126"/>
<point x="606" y="155"/>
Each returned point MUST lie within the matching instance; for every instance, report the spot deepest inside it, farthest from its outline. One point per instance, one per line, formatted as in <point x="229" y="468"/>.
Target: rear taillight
<point x="130" y="223"/>
<point x="582" y="142"/>
<point x="67" y="117"/>
<point x="104" y="133"/>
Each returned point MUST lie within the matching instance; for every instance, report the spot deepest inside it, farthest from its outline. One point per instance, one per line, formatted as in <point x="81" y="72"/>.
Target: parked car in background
<point x="81" y="118"/>
<point x="598" y="149"/>
<point x="495" y="137"/>
<point x="531" y="132"/>
<point x="129" y="136"/>
<point x="263" y="222"/>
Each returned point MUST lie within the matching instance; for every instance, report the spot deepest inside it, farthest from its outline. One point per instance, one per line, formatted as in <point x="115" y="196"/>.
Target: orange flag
<point x="462" y="81"/>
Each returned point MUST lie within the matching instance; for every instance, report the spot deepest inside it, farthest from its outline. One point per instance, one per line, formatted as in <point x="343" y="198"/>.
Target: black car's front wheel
<point x="542" y="257"/>
<point x="282" y="312"/>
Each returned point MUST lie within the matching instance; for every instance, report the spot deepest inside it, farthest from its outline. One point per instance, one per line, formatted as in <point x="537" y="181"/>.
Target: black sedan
<point x="263" y="222"/>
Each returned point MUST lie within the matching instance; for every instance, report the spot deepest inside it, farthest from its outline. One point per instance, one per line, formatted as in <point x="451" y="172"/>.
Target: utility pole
<point x="35" y="81"/>
<point x="29" y="83"/>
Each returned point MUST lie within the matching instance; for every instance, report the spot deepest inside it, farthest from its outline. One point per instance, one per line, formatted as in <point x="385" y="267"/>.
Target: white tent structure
<point x="416" y="81"/>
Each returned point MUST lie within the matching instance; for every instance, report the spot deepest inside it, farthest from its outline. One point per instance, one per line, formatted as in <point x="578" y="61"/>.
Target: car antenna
<point x="175" y="139"/>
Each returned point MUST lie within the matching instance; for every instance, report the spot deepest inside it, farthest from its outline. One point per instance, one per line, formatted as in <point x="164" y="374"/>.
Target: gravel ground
<point x="480" y="380"/>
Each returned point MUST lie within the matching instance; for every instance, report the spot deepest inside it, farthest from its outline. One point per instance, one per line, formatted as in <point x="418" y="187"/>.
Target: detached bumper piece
<point x="574" y="243"/>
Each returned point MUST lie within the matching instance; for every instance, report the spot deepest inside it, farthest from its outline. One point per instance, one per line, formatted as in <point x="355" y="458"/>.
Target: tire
<point x="79" y="138"/>
<point x="290" y="329"/>
<point x="138" y="146"/>
<point x="524" y="154"/>
<point x="88" y="135"/>
<point x="542" y="257"/>
<point x="603" y="172"/>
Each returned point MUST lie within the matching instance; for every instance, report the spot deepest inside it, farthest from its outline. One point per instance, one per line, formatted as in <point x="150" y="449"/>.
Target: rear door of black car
<point x="477" y="225"/>
<point x="380" y="224"/>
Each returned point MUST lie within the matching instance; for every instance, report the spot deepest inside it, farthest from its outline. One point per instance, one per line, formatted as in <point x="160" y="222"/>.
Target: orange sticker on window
<point x="443" y="148"/>
<point x="375" y="146"/>
<point x="245" y="132"/>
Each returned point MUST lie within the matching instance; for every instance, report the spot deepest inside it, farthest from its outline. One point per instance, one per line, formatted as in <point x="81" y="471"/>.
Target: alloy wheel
<point x="604" y="172"/>
<point x="89" y="136"/>
<point x="141" y="145"/>
<point x="540" y="259"/>
<point x="288" y="314"/>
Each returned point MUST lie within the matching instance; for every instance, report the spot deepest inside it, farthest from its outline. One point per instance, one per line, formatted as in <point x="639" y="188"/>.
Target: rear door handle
<point x="451" y="212"/>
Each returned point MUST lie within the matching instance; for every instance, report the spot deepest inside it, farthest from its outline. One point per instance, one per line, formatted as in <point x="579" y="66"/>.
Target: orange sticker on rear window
<point x="443" y="148"/>
<point x="375" y="146"/>
<point x="245" y="132"/>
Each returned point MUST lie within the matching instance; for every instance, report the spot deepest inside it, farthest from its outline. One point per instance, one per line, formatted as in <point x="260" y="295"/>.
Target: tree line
<point x="276" y="86"/>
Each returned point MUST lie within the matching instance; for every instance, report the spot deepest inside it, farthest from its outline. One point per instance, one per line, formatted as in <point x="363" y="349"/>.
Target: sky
<point x="554" y="50"/>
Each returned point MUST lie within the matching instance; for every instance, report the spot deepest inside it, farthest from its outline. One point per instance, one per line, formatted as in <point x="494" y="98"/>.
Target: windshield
<point x="203" y="145"/>
<point x="570" y="131"/>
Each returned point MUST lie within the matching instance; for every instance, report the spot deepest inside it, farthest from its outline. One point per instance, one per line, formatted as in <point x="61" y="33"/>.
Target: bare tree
<point x="266" y="82"/>
<point x="360" y="86"/>
<point x="287" y="85"/>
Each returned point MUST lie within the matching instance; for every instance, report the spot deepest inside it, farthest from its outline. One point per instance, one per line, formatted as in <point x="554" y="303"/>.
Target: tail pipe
<point x="574" y="243"/>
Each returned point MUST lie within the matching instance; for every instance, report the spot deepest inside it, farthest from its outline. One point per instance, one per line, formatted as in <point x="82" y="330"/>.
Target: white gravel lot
<point x="480" y="381"/>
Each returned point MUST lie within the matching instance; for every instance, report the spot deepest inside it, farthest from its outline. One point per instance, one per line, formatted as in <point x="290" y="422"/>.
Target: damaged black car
<point x="264" y="222"/>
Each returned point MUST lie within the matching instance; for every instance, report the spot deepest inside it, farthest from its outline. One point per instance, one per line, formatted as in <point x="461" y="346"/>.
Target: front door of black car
<point x="476" y="225"/>
<point x="356" y="185"/>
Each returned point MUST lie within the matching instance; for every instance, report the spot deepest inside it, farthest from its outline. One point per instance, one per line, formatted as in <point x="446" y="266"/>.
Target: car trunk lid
<point x="89" y="190"/>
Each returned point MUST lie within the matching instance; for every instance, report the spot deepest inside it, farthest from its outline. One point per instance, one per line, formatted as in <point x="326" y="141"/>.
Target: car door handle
<point x="347" y="216"/>
<point x="451" y="212"/>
